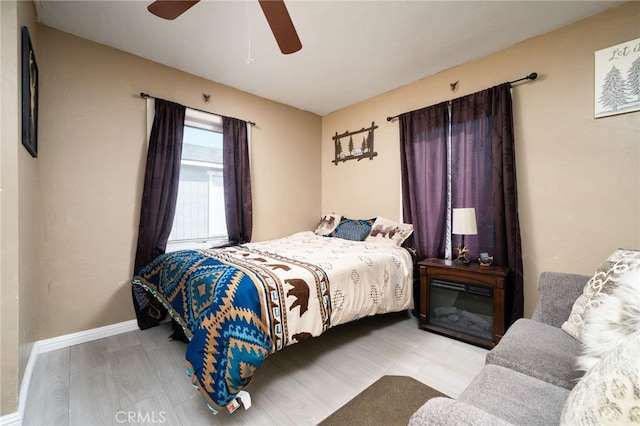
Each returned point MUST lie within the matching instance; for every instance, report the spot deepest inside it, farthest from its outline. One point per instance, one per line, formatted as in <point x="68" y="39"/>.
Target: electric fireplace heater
<point x="463" y="300"/>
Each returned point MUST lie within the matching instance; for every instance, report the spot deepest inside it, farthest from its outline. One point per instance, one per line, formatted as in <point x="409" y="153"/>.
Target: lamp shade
<point x="464" y="221"/>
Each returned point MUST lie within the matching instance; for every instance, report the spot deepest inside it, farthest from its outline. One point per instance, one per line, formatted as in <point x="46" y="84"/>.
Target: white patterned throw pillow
<point x="603" y="282"/>
<point x="613" y="322"/>
<point x="609" y="393"/>
<point x="385" y="230"/>
<point x="328" y="224"/>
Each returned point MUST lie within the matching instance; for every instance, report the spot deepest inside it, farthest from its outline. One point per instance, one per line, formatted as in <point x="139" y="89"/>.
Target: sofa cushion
<point x="514" y="397"/>
<point x="557" y="292"/>
<point x="603" y="282"/>
<point x="538" y="350"/>
<point x="446" y="411"/>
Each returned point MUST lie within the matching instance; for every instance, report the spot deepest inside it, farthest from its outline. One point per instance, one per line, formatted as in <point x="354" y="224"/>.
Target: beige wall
<point x="578" y="177"/>
<point x="18" y="210"/>
<point x="68" y="220"/>
<point x="91" y="166"/>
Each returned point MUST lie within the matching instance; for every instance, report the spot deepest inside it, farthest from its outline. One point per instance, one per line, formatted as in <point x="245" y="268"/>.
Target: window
<point x="200" y="213"/>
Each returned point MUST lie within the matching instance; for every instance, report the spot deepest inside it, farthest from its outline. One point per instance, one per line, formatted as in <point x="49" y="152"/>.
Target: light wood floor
<point x="139" y="378"/>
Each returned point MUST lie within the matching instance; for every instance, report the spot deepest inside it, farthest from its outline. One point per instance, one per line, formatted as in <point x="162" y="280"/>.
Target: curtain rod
<point x="531" y="76"/>
<point x="148" y="96"/>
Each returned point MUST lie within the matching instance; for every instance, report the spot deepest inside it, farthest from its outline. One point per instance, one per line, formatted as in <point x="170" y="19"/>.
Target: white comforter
<point x="365" y="278"/>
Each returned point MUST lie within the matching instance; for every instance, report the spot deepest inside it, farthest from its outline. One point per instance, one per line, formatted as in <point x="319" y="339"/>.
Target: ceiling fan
<point x="274" y="10"/>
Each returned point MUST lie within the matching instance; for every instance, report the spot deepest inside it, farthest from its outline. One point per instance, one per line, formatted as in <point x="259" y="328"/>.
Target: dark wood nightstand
<point x="463" y="301"/>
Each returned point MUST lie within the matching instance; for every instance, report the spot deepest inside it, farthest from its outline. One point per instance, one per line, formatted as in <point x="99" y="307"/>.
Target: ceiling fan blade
<point x="170" y="9"/>
<point x="281" y="25"/>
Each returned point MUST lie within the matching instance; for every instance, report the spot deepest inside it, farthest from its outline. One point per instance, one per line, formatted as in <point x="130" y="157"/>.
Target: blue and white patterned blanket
<point x="238" y="305"/>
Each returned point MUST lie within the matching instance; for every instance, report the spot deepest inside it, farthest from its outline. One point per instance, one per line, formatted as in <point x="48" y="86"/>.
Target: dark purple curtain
<point x="158" y="200"/>
<point x="483" y="176"/>
<point x="423" y="149"/>
<point x="237" y="180"/>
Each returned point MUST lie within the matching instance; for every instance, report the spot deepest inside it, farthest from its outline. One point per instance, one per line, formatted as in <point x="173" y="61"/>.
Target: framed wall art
<point x="353" y="151"/>
<point x="617" y="79"/>
<point x="29" y="95"/>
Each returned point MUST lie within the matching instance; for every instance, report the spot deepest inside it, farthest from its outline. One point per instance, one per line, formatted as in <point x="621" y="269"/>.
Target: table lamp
<point x="464" y="223"/>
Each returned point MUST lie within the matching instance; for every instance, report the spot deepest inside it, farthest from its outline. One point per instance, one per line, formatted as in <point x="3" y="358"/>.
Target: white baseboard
<point x="72" y="339"/>
<point x="13" y="419"/>
<point x="55" y="343"/>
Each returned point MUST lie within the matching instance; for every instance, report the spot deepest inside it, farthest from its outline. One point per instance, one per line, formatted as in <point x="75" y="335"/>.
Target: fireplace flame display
<point x="460" y="307"/>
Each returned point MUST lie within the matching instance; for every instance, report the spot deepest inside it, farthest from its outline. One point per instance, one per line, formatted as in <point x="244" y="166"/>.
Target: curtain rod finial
<point x="532" y="76"/>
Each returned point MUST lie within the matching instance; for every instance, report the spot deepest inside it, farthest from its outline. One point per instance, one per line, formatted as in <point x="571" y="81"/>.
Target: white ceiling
<point x="351" y="50"/>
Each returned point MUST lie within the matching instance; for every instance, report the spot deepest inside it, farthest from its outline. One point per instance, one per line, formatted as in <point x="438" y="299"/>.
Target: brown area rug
<point x="391" y="400"/>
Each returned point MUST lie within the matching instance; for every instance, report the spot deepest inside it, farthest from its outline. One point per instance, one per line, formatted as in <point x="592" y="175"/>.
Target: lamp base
<point x="462" y="255"/>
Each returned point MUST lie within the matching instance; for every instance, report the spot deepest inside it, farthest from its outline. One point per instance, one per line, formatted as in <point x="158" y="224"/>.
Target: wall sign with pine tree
<point x="617" y="79"/>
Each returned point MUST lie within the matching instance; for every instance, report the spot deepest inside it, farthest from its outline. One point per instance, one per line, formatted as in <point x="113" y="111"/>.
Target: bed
<point x="237" y="305"/>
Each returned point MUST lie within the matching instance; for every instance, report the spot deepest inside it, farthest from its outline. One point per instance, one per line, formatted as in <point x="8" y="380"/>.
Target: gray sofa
<point x="528" y="375"/>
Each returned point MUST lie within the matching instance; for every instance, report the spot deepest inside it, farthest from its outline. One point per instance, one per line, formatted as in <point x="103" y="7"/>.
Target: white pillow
<point x="328" y="224"/>
<point x="608" y="393"/>
<point x="603" y="281"/>
<point x="612" y="322"/>
<point x="388" y="231"/>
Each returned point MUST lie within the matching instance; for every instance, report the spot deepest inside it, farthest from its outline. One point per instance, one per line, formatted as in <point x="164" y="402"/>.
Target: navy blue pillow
<point x="353" y="229"/>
